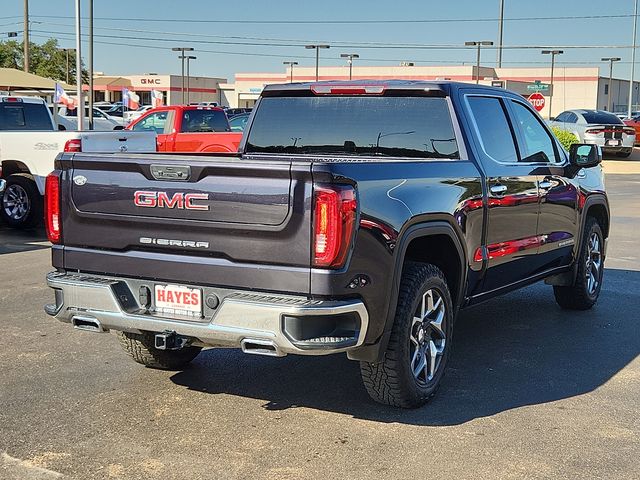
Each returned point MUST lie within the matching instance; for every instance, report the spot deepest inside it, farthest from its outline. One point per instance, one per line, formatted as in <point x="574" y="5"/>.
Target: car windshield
<point x="354" y="125"/>
<point x="601" y="118"/>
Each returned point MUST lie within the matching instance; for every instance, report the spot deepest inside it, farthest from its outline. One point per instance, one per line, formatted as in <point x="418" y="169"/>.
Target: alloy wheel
<point x="16" y="202"/>
<point x="427" y="337"/>
<point x="593" y="272"/>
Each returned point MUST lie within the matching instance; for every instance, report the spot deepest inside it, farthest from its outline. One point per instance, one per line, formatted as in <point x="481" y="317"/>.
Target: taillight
<point x="73" y="145"/>
<point x="595" y="131"/>
<point x="629" y="131"/>
<point x="53" y="221"/>
<point x="334" y="220"/>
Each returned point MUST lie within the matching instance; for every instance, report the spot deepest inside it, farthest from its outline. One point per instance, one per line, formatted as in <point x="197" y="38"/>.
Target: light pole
<point x="478" y="44"/>
<point x="79" y="94"/>
<point x="187" y="58"/>
<point x="500" y="28"/>
<point x="633" y="57"/>
<point x="610" y="60"/>
<point x="291" y="64"/>
<point x="26" y="36"/>
<point x="553" y="54"/>
<point x="90" y="64"/>
<point x="350" y="57"/>
<point x="182" y="57"/>
<point x="317" y="49"/>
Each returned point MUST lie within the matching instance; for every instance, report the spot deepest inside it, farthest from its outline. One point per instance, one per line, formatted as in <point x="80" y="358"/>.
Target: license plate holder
<point x="614" y="142"/>
<point x="178" y="300"/>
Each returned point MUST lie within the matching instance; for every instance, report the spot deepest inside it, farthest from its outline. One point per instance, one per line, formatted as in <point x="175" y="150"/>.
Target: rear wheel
<point x="141" y="347"/>
<point x="583" y="294"/>
<point x="21" y="202"/>
<point x="420" y="342"/>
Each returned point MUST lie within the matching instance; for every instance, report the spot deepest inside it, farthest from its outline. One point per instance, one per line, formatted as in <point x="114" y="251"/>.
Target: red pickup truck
<point x="183" y="128"/>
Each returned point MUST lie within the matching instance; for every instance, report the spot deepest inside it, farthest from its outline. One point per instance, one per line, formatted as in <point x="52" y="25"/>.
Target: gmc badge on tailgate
<point x="178" y="200"/>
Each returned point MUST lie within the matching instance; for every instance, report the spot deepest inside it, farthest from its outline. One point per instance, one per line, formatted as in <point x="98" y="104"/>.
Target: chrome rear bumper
<point x="255" y="322"/>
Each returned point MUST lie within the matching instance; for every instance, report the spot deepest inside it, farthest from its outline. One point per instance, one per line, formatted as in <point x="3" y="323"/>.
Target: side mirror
<point x="552" y="119"/>
<point x="582" y="155"/>
<point x="61" y="127"/>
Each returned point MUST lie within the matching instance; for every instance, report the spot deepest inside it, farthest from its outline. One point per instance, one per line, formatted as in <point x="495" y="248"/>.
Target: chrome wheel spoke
<point x="427" y="336"/>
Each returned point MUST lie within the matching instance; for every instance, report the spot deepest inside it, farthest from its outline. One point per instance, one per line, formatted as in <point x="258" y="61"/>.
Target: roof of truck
<point x="376" y="86"/>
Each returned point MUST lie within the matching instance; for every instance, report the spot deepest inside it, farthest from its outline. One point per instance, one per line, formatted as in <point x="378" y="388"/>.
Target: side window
<point x="571" y="118"/>
<point x="493" y="127"/>
<point x="536" y="145"/>
<point x="158" y="122"/>
<point x="562" y="117"/>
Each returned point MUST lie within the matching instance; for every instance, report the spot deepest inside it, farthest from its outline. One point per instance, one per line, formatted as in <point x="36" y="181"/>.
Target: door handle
<point x="498" y="189"/>
<point x="545" y="184"/>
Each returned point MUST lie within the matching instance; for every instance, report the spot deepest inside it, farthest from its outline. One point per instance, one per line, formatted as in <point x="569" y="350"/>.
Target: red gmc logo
<point x="179" y="200"/>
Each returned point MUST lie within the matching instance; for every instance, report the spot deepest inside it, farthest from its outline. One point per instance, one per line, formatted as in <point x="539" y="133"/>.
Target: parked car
<point x="130" y="115"/>
<point x="183" y="128"/>
<point x="239" y="122"/>
<point x="598" y="127"/>
<point x="232" y="112"/>
<point x="29" y="143"/>
<point x="334" y="229"/>
<point x="101" y="120"/>
<point x="634" y="122"/>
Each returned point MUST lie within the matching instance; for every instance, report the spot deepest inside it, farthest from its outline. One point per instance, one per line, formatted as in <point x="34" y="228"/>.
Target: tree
<point x="47" y="60"/>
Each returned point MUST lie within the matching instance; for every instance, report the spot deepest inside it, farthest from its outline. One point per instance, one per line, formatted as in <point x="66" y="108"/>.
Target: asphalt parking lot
<point x="532" y="392"/>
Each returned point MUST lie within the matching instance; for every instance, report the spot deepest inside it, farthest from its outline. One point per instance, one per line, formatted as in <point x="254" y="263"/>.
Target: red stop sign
<point x="537" y="100"/>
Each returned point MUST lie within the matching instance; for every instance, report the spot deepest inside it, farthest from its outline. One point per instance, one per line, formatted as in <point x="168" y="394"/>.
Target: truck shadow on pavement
<point x="14" y="240"/>
<point x="518" y="350"/>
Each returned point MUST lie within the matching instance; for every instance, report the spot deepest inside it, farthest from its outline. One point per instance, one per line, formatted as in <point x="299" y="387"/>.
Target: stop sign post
<point x="537" y="100"/>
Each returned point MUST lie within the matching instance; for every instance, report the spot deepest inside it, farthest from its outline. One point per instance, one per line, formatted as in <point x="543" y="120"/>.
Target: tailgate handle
<point x="171" y="172"/>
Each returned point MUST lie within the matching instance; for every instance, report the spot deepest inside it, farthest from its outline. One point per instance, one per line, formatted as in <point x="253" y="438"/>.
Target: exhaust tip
<point x="261" y="347"/>
<point x="88" y="324"/>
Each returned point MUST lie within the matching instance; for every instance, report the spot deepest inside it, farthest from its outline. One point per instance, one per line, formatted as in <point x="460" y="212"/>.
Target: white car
<point x="101" y="120"/>
<point x="29" y="144"/>
<point x="598" y="127"/>
<point x="130" y="115"/>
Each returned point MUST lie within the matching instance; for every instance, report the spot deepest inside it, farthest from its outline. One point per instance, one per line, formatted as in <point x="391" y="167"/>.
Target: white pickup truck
<point x="29" y="144"/>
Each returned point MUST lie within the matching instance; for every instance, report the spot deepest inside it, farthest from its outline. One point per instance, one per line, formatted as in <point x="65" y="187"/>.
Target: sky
<point x="135" y="37"/>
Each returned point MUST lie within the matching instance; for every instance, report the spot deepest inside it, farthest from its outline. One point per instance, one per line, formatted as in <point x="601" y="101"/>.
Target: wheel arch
<point x="9" y="167"/>
<point x="418" y="243"/>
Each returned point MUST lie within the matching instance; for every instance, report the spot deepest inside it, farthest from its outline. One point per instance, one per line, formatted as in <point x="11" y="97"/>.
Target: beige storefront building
<point x="573" y="87"/>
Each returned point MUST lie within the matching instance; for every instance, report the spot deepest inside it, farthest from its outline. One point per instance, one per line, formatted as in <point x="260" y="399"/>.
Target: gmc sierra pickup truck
<point x="357" y="218"/>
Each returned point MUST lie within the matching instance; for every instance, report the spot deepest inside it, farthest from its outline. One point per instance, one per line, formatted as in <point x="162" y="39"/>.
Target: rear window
<point x="24" y="116"/>
<point x="386" y="126"/>
<point x="204" y="121"/>
<point x="602" y="118"/>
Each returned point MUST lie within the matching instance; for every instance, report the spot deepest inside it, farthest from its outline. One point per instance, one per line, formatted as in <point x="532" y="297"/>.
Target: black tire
<point x="141" y="348"/>
<point x="392" y="381"/>
<point x="580" y="295"/>
<point x="624" y="154"/>
<point x="22" y="204"/>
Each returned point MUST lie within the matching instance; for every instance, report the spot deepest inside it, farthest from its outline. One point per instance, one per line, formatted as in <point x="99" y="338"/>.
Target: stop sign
<point x="537" y="100"/>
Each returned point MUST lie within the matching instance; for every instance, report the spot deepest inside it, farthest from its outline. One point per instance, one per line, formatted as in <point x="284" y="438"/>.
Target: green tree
<point x="46" y="59"/>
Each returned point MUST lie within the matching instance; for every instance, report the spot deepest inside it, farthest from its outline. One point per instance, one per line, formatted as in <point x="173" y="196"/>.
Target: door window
<point x="159" y="122"/>
<point x="562" y="117"/>
<point x="536" y="145"/>
<point x="571" y="118"/>
<point x="493" y="128"/>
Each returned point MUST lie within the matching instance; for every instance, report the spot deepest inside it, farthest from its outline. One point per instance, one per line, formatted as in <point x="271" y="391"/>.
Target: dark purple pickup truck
<point x="356" y="217"/>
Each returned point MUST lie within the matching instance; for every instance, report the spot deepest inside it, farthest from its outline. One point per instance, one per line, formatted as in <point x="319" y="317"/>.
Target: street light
<point x="291" y="64"/>
<point x="182" y="57"/>
<point x="478" y="44"/>
<point x="350" y="57"/>
<point x="187" y="58"/>
<point x="317" y="49"/>
<point x="610" y="60"/>
<point x="553" y="54"/>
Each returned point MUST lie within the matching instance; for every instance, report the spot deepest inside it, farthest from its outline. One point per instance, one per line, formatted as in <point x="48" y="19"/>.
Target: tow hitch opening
<point x="170" y="340"/>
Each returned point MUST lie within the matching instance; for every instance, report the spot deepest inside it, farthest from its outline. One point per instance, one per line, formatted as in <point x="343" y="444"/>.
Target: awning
<point x="13" y="79"/>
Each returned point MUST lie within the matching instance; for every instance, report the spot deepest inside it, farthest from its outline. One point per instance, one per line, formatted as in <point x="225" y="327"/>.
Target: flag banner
<point x="130" y="99"/>
<point x="156" y="98"/>
<point x="61" y="97"/>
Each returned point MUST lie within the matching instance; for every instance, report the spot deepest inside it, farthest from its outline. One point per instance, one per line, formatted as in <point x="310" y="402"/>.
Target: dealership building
<point x="199" y="89"/>
<point x="573" y="87"/>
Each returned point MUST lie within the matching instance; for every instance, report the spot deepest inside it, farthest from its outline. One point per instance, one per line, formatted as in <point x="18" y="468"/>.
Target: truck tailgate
<point x="189" y="219"/>
<point x="118" y="141"/>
